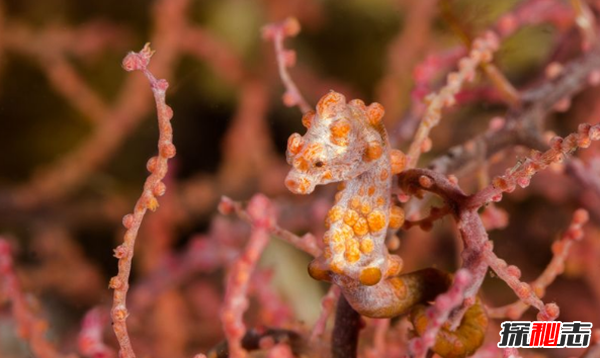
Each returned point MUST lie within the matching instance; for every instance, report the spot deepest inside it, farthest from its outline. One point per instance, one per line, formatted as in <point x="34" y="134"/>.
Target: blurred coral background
<point x="76" y="132"/>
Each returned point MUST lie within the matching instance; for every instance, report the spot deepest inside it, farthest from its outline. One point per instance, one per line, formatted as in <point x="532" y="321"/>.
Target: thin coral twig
<point x="560" y="250"/>
<point x="29" y="326"/>
<point x="522" y="127"/>
<point x="510" y="353"/>
<point x="534" y="12"/>
<point x="280" y="351"/>
<point x="290" y="27"/>
<point x="89" y="340"/>
<point x="511" y="275"/>
<point x="261" y="215"/>
<point x="306" y="243"/>
<point x="523" y="171"/>
<point x="263" y="339"/>
<point x="504" y="86"/>
<point x="273" y="311"/>
<point x="382" y="326"/>
<point x="426" y="223"/>
<point x="327" y="305"/>
<point x="153" y="188"/>
<point x="478" y="252"/>
<point x="508" y="92"/>
<point x="481" y="52"/>
<point x="439" y="313"/>
<point x="585" y="22"/>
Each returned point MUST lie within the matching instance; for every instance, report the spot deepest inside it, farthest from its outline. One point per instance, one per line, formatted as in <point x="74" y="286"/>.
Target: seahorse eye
<point x="319" y="164"/>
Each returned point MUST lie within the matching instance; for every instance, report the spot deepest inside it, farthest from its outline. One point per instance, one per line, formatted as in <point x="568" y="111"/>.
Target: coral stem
<point x="153" y="188"/>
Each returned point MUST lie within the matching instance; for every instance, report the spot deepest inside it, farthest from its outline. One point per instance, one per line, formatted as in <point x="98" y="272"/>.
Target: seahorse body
<point x="346" y="142"/>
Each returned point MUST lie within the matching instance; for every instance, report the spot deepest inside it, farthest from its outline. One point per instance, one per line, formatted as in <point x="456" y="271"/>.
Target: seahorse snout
<point x="298" y="185"/>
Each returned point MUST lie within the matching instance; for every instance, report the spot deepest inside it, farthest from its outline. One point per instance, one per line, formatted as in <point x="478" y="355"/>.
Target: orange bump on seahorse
<point x="347" y="142"/>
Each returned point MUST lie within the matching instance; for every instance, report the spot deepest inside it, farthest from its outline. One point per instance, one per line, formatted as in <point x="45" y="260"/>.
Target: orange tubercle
<point x="361" y="227"/>
<point x="308" y="118"/>
<point x="365" y="208"/>
<point x="300" y="163"/>
<point x="398" y="160"/>
<point x="376" y="220"/>
<point x="335" y="214"/>
<point x="371" y="191"/>
<point x="317" y="272"/>
<point x="295" y="143"/>
<point x="374" y="151"/>
<point x="351" y="217"/>
<point x="366" y="246"/>
<point x="327" y="103"/>
<point x="396" y="217"/>
<point x="384" y="175"/>
<point x="370" y="276"/>
<point x="358" y="103"/>
<point x="375" y="113"/>
<point x="340" y="129"/>
<point x="352" y="253"/>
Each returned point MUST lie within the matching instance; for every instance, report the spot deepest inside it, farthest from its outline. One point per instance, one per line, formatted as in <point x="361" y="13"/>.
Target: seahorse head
<point x="340" y="143"/>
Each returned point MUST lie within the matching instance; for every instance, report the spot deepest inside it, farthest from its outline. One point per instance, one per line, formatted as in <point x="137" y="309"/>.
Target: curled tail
<point x="409" y="294"/>
<point x="463" y="341"/>
<point x="467" y="337"/>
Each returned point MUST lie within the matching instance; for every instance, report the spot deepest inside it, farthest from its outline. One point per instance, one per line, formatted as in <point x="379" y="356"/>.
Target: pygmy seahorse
<point x="347" y="143"/>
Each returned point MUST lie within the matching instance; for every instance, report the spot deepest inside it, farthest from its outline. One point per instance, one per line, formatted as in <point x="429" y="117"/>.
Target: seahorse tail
<point x="463" y="341"/>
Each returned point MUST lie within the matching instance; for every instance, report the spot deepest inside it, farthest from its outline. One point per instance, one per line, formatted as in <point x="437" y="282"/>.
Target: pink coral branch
<point x="477" y="254"/>
<point x="522" y="172"/>
<point x="274" y="312"/>
<point x="306" y="243"/>
<point x="260" y="212"/>
<point x="380" y="346"/>
<point x="432" y="67"/>
<point x="585" y="22"/>
<point x="30" y="327"/>
<point x="327" y="306"/>
<point x="290" y="27"/>
<point x="153" y="188"/>
<point x="280" y="350"/>
<point x="535" y="12"/>
<point x="481" y="52"/>
<point x="511" y="274"/>
<point x="90" y="341"/>
<point x="439" y="313"/>
<point x="560" y="249"/>
<point x="510" y="353"/>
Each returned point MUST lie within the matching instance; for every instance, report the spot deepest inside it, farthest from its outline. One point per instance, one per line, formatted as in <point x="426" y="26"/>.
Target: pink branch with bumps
<point x="481" y="52"/>
<point x="290" y="27"/>
<point x="307" y="243"/>
<point x="261" y="214"/>
<point x="153" y="188"/>
<point x="327" y="305"/>
<point x="29" y="326"/>
<point x="522" y="173"/>
<point x="438" y="314"/>
<point x="560" y="249"/>
<point x="90" y="341"/>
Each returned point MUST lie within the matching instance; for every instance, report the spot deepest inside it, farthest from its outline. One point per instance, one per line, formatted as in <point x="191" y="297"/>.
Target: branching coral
<point x="401" y="288"/>
<point x="153" y="188"/>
